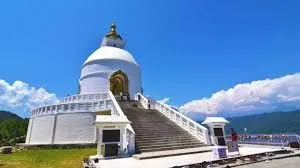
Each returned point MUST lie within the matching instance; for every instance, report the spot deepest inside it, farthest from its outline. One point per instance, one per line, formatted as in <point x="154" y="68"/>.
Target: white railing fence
<point x="194" y="128"/>
<point x="143" y="100"/>
<point x="71" y="107"/>
<point x="129" y="134"/>
<point x="84" y="97"/>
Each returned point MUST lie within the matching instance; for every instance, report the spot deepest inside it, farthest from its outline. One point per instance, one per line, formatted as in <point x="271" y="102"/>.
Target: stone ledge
<point x="158" y="154"/>
<point x="57" y="146"/>
<point x="5" y="149"/>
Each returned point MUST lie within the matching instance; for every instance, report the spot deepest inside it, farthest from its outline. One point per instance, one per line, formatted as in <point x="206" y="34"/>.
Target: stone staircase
<point x="154" y="131"/>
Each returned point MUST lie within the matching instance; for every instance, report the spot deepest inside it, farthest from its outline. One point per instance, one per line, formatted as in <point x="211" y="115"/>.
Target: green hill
<point x="267" y="123"/>
<point x="13" y="128"/>
<point x="6" y="115"/>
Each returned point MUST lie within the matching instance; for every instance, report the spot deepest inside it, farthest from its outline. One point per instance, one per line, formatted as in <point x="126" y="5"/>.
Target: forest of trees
<point x="12" y="128"/>
<point x="267" y="123"/>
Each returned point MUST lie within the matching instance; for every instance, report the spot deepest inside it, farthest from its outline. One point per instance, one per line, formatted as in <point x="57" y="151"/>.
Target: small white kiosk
<point x="111" y="136"/>
<point x="217" y="135"/>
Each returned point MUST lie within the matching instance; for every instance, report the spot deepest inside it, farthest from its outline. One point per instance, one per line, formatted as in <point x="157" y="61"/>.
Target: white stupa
<point x="110" y="63"/>
<point x="101" y="113"/>
<point x="110" y="67"/>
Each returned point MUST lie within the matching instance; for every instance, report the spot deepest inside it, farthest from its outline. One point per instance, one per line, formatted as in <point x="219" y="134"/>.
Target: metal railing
<point x="279" y="139"/>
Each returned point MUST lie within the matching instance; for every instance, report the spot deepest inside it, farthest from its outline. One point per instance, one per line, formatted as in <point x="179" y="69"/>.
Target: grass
<point x="46" y="158"/>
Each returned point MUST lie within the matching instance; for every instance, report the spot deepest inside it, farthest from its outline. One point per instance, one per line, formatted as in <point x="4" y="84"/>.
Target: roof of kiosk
<point x="210" y="120"/>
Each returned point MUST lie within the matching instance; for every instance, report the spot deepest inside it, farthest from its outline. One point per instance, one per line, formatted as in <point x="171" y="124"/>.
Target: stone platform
<point x="180" y="160"/>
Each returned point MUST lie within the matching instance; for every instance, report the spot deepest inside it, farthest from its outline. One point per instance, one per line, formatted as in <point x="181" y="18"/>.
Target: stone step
<point x="141" y="140"/>
<point x="145" y="132"/>
<point x="159" y="136"/>
<point x="168" y="148"/>
<point x="166" y="138"/>
<point x="152" y="125"/>
<point x="161" y="133"/>
<point x="155" y="127"/>
<point x="155" y="132"/>
<point x="169" y="145"/>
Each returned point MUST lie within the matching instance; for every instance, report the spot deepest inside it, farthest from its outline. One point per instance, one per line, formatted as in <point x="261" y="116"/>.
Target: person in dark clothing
<point x="234" y="136"/>
<point x="128" y="97"/>
<point x="148" y="104"/>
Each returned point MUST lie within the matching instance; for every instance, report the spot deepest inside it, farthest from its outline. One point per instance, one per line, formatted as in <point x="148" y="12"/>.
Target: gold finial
<point x="113" y="27"/>
<point x="113" y="33"/>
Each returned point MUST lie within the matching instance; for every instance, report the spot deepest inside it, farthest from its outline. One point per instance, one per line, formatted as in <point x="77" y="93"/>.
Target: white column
<point x="99" y="141"/>
<point x="96" y="134"/>
<point x="122" y="130"/>
<point x="131" y="148"/>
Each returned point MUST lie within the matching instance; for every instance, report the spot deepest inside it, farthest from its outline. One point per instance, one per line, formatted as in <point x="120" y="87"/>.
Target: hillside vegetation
<point x="12" y="128"/>
<point x="6" y="115"/>
<point x="267" y="123"/>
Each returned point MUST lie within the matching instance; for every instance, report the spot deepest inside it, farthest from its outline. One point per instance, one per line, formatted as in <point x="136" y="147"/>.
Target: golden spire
<point x="113" y="33"/>
<point x="113" y="28"/>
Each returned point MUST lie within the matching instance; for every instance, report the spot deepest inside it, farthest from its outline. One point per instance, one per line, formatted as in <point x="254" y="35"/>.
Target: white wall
<point x="29" y="129"/>
<point x="75" y="128"/>
<point x="95" y="76"/>
<point x="68" y="128"/>
<point x="42" y="128"/>
<point x="111" y="42"/>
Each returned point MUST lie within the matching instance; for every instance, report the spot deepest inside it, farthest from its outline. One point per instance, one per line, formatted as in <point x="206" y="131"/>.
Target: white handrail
<point x="130" y="135"/>
<point x="194" y="128"/>
<point x="115" y="105"/>
<point x="143" y="100"/>
<point x="118" y="109"/>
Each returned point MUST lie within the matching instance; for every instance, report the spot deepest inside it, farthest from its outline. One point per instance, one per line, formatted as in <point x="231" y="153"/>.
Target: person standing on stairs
<point x="121" y="95"/>
<point x="149" y="104"/>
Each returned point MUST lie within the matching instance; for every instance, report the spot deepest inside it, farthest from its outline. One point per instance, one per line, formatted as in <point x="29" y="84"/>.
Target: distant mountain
<point x="267" y="123"/>
<point x="6" y="115"/>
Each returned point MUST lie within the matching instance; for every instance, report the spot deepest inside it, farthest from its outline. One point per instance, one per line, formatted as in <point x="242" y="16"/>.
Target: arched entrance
<point x="119" y="83"/>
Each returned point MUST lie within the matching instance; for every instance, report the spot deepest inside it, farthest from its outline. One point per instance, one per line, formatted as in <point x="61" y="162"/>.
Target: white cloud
<point x="165" y="100"/>
<point x="21" y="95"/>
<point x="258" y="96"/>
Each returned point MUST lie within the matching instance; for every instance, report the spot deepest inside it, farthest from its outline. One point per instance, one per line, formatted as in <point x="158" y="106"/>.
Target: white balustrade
<point x="194" y="128"/>
<point x="143" y="100"/>
<point x="129" y="134"/>
<point x="84" y="97"/>
<point x="78" y="103"/>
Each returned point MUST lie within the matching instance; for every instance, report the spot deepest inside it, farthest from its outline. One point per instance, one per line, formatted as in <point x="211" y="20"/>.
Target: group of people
<point x="272" y="139"/>
<point x="122" y="96"/>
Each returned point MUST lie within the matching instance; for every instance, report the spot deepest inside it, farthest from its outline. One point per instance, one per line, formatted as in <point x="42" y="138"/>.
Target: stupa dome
<point x="110" y="53"/>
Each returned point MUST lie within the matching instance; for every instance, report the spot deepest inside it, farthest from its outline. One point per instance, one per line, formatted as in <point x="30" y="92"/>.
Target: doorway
<point x="119" y="83"/>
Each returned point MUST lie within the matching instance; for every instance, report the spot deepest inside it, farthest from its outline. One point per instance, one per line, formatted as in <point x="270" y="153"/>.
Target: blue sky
<point x="187" y="49"/>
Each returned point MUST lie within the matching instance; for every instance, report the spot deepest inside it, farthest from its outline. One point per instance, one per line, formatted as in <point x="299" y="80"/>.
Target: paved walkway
<point x="175" y="160"/>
